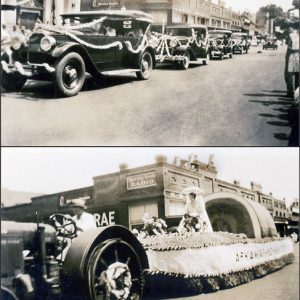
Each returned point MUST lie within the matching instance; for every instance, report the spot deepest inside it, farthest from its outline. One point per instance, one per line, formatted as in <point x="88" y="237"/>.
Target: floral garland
<point x="192" y="240"/>
<point x="154" y="227"/>
<point x="70" y="27"/>
<point x="163" y="46"/>
<point x="183" y="286"/>
<point x="239" y="43"/>
<point x="194" y="40"/>
<point x="116" y="281"/>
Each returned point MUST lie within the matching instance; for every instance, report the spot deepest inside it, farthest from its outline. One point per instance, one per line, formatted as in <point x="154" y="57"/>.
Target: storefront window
<point x="137" y="211"/>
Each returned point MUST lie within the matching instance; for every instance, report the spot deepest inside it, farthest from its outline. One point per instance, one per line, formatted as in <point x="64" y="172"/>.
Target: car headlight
<point x="47" y="43"/>
<point x="154" y="42"/>
<point x="16" y="43"/>
<point x="173" y="43"/>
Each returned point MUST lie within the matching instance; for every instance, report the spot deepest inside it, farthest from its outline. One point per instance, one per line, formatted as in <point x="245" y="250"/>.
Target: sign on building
<point x="105" y="3"/>
<point x="141" y="180"/>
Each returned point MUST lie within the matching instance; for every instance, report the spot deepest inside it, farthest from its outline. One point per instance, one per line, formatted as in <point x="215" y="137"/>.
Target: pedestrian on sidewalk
<point x="291" y="72"/>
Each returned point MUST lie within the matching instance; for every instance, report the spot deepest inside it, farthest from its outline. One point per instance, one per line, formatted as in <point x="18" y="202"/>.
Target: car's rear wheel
<point x="69" y="75"/>
<point x="221" y="56"/>
<point x="230" y="55"/>
<point x="115" y="269"/>
<point x="12" y="81"/>
<point x="146" y="66"/>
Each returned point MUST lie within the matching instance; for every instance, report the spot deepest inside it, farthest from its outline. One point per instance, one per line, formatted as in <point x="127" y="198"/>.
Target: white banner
<point x="219" y="259"/>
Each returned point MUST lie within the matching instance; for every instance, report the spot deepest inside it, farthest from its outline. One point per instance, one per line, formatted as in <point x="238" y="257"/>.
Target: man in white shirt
<point x="84" y="221"/>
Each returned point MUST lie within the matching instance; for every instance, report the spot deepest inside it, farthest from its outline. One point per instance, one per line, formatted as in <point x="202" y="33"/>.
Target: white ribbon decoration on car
<point x="163" y="46"/>
<point x="67" y="31"/>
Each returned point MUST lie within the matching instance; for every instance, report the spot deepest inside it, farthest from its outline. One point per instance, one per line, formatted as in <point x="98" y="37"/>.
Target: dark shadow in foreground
<point x="285" y="114"/>
<point x="44" y="90"/>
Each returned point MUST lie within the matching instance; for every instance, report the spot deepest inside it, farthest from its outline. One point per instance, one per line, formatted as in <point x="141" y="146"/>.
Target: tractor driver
<point x="83" y="220"/>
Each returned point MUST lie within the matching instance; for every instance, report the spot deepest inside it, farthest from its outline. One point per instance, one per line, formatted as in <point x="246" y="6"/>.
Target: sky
<point x="52" y="170"/>
<point x="254" y="5"/>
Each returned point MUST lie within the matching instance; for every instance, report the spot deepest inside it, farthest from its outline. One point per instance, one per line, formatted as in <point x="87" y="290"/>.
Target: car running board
<point x="199" y="61"/>
<point x="119" y="72"/>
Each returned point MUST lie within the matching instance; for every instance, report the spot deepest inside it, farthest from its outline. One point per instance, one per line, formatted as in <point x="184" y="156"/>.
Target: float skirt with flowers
<point x="196" y="263"/>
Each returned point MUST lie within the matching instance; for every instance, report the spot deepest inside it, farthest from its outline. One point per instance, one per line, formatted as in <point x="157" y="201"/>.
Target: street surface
<point x="239" y="101"/>
<point x="280" y="285"/>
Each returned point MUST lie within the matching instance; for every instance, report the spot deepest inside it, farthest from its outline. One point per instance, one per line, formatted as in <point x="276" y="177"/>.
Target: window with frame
<point x="137" y="211"/>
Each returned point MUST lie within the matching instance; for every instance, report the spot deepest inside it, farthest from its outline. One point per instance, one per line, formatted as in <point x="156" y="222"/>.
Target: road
<point x="239" y="101"/>
<point x="283" y="284"/>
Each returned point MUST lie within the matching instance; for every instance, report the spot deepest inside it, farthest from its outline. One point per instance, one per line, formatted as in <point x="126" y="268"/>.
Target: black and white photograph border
<point x="152" y="223"/>
<point x="70" y="85"/>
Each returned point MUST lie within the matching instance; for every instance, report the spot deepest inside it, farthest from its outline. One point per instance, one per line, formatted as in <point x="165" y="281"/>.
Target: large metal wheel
<point x="115" y="272"/>
<point x="146" y="66"/>
<point x="69" y="75"/>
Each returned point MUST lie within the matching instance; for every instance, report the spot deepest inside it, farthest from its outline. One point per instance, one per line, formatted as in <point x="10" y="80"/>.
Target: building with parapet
<point x="157" y="189"/>
<point x="203" y="12"/>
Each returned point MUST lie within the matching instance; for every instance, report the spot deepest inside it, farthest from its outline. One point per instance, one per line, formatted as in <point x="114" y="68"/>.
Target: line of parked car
<point x="110" y="42"/>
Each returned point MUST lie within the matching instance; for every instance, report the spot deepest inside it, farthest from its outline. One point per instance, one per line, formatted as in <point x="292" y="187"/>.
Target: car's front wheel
<point x="184" y="64"/>
<point x="12" y="81"/>
<point x="206" y="61"/>
<point x="69" y="75"/>
<point x="146" y="65"/>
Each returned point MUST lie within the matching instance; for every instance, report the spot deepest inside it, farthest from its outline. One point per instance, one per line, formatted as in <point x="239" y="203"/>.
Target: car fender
<point x="82" y="247"/>
<point x="64" y="48"/>
<point x="183" y="48"/>
<point x="152" y="52"/>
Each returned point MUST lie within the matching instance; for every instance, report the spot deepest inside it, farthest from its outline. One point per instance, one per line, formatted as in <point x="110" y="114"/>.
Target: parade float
<point x="198" y="260"/>
<point x="112" y="263"/>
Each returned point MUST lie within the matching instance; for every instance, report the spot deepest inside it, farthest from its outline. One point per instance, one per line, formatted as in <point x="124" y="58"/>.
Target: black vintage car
<point x="183" y="44"/>
<point x="220" y="43"/>
<point x="240" y="41"/>
<point x="98" y="42"/>
<point x="270" y="43"/>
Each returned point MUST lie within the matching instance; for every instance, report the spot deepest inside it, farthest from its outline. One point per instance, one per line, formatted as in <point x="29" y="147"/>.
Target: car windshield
<point x="216" y="35"/>
<point x="238" y="36"/>
<point x="179" y="31"/>
<point x="108" y="27"/>
<point x="156" y="28"/>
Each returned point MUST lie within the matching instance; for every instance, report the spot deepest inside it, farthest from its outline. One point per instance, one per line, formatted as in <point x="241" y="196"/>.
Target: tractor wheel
<point x="114" y="268"/>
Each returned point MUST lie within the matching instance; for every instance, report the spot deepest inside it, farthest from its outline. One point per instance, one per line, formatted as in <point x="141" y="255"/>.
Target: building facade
<point x="203" y="12"/>
<point x="123" y="197"/>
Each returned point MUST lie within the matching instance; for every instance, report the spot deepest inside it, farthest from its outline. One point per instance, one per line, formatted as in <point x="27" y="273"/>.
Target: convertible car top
<point x="118" y="14"/>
